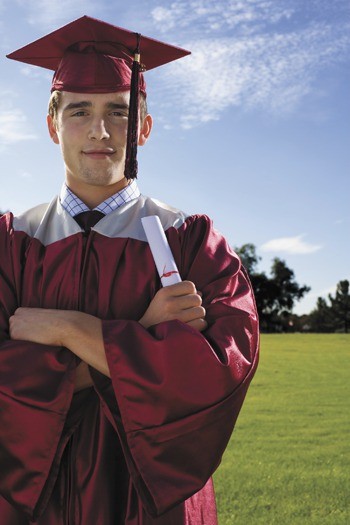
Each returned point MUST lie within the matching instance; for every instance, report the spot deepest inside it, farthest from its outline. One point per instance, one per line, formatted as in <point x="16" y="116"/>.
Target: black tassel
<point x="131" y="165"/>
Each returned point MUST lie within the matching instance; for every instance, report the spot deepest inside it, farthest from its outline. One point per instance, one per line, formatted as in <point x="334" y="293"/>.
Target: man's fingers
<point x="178" y="301"/>
<point x="183" y="302"/>
<point x="178" y="289"/>
<point x="198" y="324"/>
<point x="191" y="314"/>
<point x="180" y="296"/>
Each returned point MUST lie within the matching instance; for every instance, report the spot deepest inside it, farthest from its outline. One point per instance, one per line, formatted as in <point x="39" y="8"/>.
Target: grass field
<point x="288" y="462"/>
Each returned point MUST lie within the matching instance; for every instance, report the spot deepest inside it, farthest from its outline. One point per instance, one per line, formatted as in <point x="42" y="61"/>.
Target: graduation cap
<point x="92" y="56"/>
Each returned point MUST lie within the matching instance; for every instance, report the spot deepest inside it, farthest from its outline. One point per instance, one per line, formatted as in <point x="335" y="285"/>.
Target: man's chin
<point x="104" y="179"/>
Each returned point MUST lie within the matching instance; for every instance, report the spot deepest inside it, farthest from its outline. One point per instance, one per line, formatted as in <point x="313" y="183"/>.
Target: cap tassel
<point x="131" y="164"/>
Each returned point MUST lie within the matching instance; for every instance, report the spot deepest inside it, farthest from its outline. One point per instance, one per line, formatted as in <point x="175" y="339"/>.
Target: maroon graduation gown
<point x="139" y="448"/>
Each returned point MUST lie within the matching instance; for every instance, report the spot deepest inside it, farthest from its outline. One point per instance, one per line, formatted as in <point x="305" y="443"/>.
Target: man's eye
<point x="118" y="114"/>
<point x="79" y="114"/>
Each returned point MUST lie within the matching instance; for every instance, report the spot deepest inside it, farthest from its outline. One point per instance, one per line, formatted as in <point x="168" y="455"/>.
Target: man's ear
<point x="145" y="131"/>
<point x="52" y="129"/>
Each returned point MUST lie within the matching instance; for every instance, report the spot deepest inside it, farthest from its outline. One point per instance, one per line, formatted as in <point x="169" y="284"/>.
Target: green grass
<point x="288" y="462"/>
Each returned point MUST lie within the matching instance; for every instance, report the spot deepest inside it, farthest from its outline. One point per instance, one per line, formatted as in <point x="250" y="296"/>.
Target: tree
<point x="249" y="258"/>
<point x="321" y="318"/>
<point x="275" y="295"/>
<point x="340" y="306"/>
<point x="289" y="289"/>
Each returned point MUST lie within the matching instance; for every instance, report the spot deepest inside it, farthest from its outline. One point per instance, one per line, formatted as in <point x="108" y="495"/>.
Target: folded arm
<point x="82" y="334"/>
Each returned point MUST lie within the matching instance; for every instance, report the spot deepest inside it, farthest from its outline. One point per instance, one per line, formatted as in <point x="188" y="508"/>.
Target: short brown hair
<point x="54" y="103"/>
<point x="55" y="100"/>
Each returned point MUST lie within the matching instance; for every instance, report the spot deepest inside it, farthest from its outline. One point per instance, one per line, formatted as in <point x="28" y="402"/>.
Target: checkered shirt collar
<point x="73" y="205"/>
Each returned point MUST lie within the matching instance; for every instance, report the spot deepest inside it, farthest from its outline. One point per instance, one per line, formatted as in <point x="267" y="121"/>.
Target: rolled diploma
<point x="158" y="243"/>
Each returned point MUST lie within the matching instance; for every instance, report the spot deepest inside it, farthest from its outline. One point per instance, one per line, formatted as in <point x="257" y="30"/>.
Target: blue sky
<point x="252" y="129"/>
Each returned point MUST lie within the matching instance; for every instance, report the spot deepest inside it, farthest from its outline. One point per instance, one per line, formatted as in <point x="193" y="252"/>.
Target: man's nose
<point x="98" y="130"/>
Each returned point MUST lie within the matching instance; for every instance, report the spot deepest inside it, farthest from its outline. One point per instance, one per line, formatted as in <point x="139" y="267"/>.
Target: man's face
<point x="92" y="130"/>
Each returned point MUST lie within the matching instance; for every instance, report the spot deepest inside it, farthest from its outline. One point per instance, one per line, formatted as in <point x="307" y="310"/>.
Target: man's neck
<point x="93" y="195"/>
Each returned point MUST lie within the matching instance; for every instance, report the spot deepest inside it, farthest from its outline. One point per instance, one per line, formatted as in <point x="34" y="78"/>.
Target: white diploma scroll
<point x="161" y="251"/>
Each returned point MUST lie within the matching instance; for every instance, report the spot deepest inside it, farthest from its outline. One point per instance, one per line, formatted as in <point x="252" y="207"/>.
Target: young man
<point x="117" y="397"/>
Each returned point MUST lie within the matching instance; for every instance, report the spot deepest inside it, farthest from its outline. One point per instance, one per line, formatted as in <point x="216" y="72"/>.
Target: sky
<point x="252" y="129"/>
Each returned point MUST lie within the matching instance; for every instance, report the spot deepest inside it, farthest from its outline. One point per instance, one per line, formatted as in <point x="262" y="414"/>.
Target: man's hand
<point x="40" y="325"/>
<point x="82" y="377"/>
<point x="79" y="332"/>
<point x="179" y="301"/>
<point x="82" y="333"/>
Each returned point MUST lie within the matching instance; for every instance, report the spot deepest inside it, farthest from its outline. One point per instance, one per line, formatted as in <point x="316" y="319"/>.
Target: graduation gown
<point x="138" y="448"/>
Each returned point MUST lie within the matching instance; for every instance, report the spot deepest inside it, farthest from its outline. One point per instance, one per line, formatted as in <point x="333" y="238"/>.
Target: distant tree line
<point x="332" y="315"/>
<point x="277" y="293"/>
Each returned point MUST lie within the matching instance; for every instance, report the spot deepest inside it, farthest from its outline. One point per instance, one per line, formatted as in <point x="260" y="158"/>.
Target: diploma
<point x="158" y="243"/>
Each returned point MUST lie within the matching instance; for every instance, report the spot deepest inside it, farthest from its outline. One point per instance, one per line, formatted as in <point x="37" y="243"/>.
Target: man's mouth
<point x="99" y="153"/>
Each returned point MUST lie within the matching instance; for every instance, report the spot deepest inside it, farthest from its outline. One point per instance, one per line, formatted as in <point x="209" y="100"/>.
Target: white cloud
<point x="26" y="175"/>
<point x="29" y="71"/>
<point x="36" y="72"/>
<point x="14" y="127"/>
<point x="50" y="15"/>
<point x="245" y="54"/>
<point x="214" y="15"/>
<point x="292" y="245"/>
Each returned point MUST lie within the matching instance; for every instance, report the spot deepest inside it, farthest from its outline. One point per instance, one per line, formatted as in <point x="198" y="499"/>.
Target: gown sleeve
<point x="175" y="393"/>
<point x="36" y="389"/>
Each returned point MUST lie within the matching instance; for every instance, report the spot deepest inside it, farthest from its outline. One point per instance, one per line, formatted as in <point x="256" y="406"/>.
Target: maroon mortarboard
<point x="92" y="56"/>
